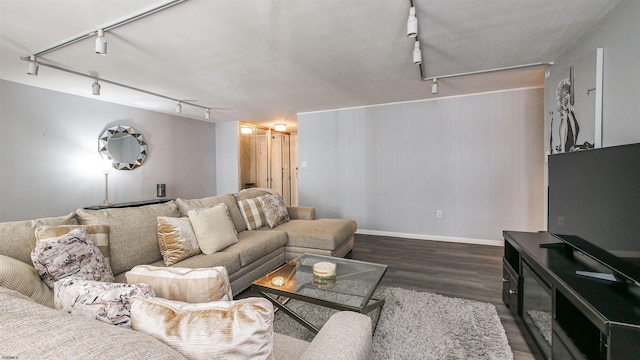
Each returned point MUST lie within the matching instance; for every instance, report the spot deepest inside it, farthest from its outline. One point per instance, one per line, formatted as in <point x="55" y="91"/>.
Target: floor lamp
<point x="106" y="169"/>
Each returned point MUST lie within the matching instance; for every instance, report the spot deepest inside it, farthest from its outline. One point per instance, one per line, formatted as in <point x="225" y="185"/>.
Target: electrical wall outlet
<point x="560" y="220"/>
<point x="439" y="213"/>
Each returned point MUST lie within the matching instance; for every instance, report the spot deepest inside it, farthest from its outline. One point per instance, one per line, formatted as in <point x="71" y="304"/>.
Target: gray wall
<point x="228" y="157"/>
<point x="49" y="163"/>
<point x="617" y="33"/>
<point x="477" y="158"/>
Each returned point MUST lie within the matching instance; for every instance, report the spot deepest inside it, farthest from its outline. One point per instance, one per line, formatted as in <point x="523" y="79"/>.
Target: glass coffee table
<point x="350" y="290"/>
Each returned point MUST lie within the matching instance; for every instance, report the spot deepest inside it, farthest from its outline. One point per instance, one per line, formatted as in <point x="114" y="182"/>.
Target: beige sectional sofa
<point x="133" y="241"/>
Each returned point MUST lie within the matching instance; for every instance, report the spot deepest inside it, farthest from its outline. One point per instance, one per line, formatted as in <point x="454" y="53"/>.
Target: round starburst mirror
<point x="124" y="145"/>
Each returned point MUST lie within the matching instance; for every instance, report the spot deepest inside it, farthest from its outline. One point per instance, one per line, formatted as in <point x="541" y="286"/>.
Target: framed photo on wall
<point x="577" y="121"/>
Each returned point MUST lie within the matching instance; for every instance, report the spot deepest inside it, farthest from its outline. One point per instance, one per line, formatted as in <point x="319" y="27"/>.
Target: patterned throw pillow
<point x="274" y="210"/>
<point x="73" y="254"/>
<point x="252" y="213"/>
<point x="98" y="233"/>
<point x="213" y="228"/>
<point x="184" y="284"/>
<point x="108" y="302"/>
<point x="177" y="239"/>
<point x="241" y="329"/>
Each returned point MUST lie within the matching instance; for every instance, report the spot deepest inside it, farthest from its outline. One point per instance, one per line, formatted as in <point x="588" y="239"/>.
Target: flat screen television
<point x="594" y="205"/>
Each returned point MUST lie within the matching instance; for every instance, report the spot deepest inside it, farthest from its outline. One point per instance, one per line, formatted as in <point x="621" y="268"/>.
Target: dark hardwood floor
<point x="451" y="269"/>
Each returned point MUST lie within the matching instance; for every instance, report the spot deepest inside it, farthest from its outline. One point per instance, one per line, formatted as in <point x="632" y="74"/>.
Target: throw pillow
<point x="72" y="254"/>
<point x="184" y="284"/>
<point x="241" y="329"/>
<point x="177" y="239"/>
<point x="16" y="275"/>
<point x="98" y="233"/>
<point x="108" y="302"/>
<point x="213" y="228"/>
<point x="252" y="213"/>
<point x="274" y="210"/>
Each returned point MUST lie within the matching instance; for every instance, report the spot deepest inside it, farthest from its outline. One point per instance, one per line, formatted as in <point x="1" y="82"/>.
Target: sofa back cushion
<point x="185" y="205"/>
<point x="17" y="238"/>
<point x="133" y="232"/>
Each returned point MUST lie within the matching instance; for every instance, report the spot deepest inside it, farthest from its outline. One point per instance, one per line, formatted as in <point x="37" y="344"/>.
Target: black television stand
<point x="561" y="302"/>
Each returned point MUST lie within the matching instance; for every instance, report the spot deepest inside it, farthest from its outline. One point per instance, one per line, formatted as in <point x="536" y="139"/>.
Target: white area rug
<point x="419" y="325"/>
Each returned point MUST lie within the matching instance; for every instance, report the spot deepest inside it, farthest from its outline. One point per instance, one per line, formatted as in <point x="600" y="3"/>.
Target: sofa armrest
<point x="346" y="336"/>
<point x="301" y="212"/>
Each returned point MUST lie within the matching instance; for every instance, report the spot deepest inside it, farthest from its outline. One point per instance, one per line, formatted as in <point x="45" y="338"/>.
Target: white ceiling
<point x="263" y="61"/>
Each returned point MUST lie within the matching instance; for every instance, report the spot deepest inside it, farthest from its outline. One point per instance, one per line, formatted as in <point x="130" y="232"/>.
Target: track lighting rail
<point x="547" y="63"/>
<point x="105" y="28"/>
<point x="206" y="108"/>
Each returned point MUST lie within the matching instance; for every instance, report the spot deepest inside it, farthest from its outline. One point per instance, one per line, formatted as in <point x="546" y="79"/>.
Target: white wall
<point x="477" y="158"/>
<point x="49" y="153"/>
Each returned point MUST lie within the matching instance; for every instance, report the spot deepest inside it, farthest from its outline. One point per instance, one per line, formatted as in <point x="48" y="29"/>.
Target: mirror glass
<point x="124" y="145"/>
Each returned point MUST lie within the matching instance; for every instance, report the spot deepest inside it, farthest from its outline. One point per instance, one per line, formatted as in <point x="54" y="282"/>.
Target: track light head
<point x="412" y="23"/>
<point x="417" y="54"/>
<point x="32" y="68"/>
<point x="95" y="88"/>
<point x="207" y="114"/>
<point x="434" y="86"/>
<point x="101" y="43"/>
<point x="179" y="108"/>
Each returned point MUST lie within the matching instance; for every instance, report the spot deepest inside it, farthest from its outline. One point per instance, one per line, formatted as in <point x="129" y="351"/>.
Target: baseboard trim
<point x="432" y="237"/>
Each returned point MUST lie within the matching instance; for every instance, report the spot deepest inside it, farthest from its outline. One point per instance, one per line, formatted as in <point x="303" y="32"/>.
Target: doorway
<point x="266" y="160"/>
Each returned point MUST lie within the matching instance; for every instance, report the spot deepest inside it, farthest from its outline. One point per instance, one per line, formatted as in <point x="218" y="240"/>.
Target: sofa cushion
<point x="98" y="233"/>
<point x="186" y="205"/>
<point x="176" y="239"/>
<point x="252" y="213"/>
<point x="17" y="238"/>
<point x="241" y="329"/>
<point x="38" y="332"/>
<point x="275" y="211"/>
<point x="16" y="275"/>
<point x="129" y="224"/>
<point x="103" y="301"/>
<point x="184" y="284"/>
<point x="326" y="234"/>
<point x="253" y="245"/>
<point x="72" y="254"/>
<point x="213" y="227"/>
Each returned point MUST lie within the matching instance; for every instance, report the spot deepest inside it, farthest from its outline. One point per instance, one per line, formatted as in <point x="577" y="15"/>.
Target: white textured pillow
<point x="274" y="209"/>
<point x="107" y="302"/>
<point x="213" y="227"/>
<point x="184" y="284"/>
<point x="252" y="213"/>
<point x="241" y="329"/>
<point x="176" y="239"/>
<point x="73" y="254"/>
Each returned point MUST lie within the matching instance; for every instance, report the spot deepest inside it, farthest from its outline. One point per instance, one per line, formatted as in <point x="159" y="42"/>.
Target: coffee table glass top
<point x="354" y="284"/>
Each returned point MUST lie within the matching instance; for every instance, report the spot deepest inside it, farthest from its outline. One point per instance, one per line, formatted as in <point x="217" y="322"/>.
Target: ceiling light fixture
<point x="417" y="54"/>
<point x="101" y="43"/>
<point x="117" y="24"/>
<point x="246" y="130"/>
<point x="32" y="69"/>
<point x="412" y="23"/>
<point x="207" y="114"/>
<point x="95" y="88"/>
<point x="103" y="80"/>
<point x="179" y="108"/>
<point x="434" y="86"/>
<point x="280" y="127"/>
